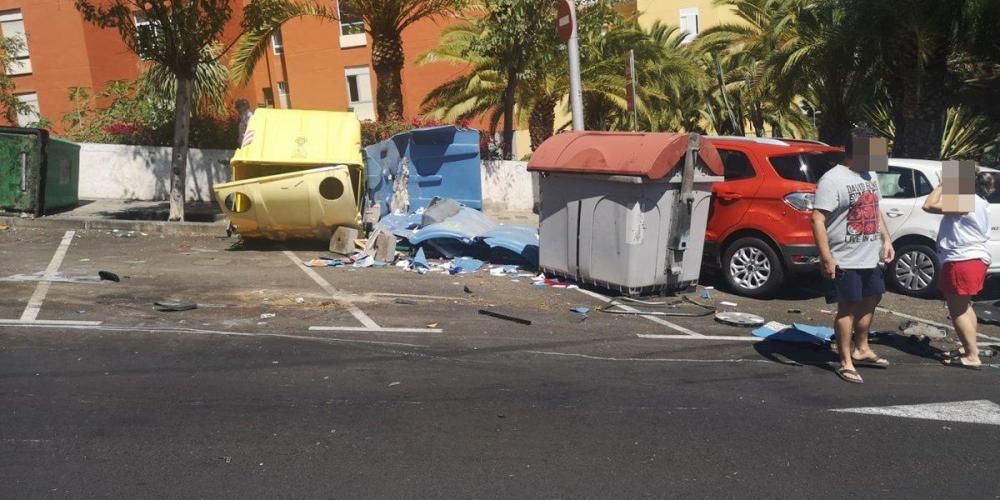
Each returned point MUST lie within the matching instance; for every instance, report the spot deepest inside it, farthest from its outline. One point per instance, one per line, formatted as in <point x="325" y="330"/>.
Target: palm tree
<point x="605" y="38"/>
<point x="384" y="21"/>
<point x="925" y="48"/>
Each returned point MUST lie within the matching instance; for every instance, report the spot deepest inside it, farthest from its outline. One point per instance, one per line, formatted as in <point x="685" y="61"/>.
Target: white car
<point x="914" y="232"/>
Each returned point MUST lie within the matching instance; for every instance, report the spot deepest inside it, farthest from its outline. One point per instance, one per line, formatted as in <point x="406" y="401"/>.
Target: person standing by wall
<point x="848" y="227"/>
<point x="962" y="250"/>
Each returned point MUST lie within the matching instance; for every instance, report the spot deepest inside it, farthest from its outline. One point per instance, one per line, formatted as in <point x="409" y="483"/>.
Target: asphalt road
<point x="218" y="403"/>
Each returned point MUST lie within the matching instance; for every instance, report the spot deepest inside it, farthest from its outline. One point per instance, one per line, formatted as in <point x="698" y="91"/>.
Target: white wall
<point x="143" y="172"/>
<point x="507" y="186"/>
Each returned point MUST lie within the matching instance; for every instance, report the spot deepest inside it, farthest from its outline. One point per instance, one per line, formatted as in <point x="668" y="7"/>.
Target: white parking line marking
<point x="373" y="330"/>
<point x="661" y="360"/>
<point x="47" y="322"/>
<point x="932" y="323"/>
<point x="972" y="412"/>
<point x="700" y="337"/>
<point x="654" y="319"/>
<point x="37" y="298"/>
<point x="334" y="293"/>
<point x="194" y="331"/>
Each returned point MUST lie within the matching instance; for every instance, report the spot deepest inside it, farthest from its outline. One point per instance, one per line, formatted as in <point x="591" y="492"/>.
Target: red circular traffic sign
<point x="566" y="20"/>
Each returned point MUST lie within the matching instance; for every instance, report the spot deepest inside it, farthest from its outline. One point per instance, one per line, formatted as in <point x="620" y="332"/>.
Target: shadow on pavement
<point x="264" y="245"/>
<point x="193" y="212"/>
<point x="794" y="354"/>
<point x="798" y="286"/>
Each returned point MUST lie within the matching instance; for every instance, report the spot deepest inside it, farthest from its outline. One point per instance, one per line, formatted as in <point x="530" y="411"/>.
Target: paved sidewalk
<point x="202" y="219"/>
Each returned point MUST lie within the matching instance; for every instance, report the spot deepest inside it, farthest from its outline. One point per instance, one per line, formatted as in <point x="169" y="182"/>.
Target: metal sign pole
<point x="635" y="90"/>
<point x="568" y="34"/>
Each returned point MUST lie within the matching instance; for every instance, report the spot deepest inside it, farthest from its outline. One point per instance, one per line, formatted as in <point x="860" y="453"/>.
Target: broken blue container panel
<point x="443" y="162"/>
<point x="519" y="240"/>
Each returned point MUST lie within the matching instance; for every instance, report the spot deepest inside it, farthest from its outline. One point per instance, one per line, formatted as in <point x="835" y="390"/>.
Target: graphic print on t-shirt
<point x="863" y="216"/>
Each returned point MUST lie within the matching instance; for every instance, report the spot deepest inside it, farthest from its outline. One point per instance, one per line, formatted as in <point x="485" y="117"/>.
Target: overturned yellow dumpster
<point x="298" y="174"/>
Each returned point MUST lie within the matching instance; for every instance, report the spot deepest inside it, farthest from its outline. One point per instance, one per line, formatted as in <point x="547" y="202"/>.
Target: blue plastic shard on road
<point x="464" y="265"/>
<point x="797" y="333"/>
<point x="420" y="261"/>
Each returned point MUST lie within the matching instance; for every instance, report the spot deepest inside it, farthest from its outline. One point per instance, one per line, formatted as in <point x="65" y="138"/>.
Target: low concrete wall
<point x="507" y="186"/>
<point x="143" y="172"/>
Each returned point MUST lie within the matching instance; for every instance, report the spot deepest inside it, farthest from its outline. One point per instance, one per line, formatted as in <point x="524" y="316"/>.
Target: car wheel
<point x="752" y="268"/>
<point x="915" y="271"/>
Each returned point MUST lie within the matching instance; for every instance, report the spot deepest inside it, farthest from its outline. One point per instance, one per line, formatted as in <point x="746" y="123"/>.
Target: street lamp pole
<point x="567" y="32"/>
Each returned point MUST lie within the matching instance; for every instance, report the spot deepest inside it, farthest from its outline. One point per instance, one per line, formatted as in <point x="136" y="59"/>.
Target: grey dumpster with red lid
<point x="625" y="211"/>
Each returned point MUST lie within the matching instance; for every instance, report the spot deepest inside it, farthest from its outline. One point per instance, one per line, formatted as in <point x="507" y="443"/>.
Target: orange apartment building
<point x="310" y="64"/>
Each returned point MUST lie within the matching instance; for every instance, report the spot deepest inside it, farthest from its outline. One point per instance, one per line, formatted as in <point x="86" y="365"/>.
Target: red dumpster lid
<point x="652" y="155"/>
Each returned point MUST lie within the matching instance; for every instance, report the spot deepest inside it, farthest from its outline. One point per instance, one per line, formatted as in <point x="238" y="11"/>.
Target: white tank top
<point x="964" y="237"/>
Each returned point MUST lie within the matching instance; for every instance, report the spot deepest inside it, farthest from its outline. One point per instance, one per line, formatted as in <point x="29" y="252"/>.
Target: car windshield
<point x="805" y="167"/>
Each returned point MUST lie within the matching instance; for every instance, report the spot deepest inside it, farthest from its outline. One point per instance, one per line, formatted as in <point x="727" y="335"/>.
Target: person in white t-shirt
<point x="964" y="259"/>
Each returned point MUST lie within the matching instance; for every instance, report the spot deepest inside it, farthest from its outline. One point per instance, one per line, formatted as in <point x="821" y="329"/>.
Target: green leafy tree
<point x="10" y="105"/>
<point x="384" y="21"/>
<point x="931" y="52"/>
<point x="176" y="35"/>
<point x="605" y="39"/>
<point x="518" y="43"/>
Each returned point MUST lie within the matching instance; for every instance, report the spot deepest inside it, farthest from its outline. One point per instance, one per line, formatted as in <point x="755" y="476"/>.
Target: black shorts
<point x="853" y="285"/>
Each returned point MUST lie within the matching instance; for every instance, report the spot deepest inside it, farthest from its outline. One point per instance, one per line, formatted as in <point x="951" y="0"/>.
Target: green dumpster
<point x="38" y="174"/>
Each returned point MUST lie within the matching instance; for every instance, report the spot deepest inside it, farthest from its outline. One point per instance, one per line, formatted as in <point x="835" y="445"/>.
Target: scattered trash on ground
<point x="174" y="306"/>
<point x="494" y="314"/>
<point x="987" y="312"/>
<point x="108" y="276"/>
<point x="583" y="311"/>
<point x="629" y="306"/>
<point x="300" y="300"/>
<point x="740" y="319"/>
<point x="407" y="302"/>
<point x="267" y="315"/>
<point x="393" y="384"/>
<point x="794" y="311"/>
<point x="916" y="330"/>
<point x="432" y="325"/>
<point x="119" y="233"/>
<point x="467" y="289"/>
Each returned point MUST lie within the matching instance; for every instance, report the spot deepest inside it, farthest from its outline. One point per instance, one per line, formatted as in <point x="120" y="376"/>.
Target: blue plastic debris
<point x="520" y="240"/>
<point x="464" y="226"/>
<point x="466" y="265"/>
<point x="402" y="226"/>
<point x="420" y="261"/>
<point x="581" y="310"/>
<point x="797" y="332"/>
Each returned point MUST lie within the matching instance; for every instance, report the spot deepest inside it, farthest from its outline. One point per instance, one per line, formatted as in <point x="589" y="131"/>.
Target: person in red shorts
<point x="965" y="258"/>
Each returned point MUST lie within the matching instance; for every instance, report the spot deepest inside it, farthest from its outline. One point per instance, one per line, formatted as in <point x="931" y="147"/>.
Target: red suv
<point x="759" y="230"/>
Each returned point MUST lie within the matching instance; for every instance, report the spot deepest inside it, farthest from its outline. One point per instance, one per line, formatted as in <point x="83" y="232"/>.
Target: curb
<point x="94" y="223"/>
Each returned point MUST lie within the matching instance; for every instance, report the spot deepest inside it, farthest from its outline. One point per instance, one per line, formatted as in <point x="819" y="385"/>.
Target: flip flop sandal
<point x="872" y="362"/>
<point x="850" y="376"/>
<point x="959" y="362"/>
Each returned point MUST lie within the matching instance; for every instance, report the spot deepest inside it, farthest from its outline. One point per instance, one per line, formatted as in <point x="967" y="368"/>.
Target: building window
<point x="12" y="26"/>
<point x="277" y="43"/>
<point x="689" y="24"/>
<point x="352" y="27"/>
<point x="149" y="34"/>
<point x="283" y="95"/>
<point x="29" y="116"/>
<point x="359" y="92"/>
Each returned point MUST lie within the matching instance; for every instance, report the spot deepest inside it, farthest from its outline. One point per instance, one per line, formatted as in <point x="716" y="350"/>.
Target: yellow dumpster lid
<point x="292" y="136"/>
